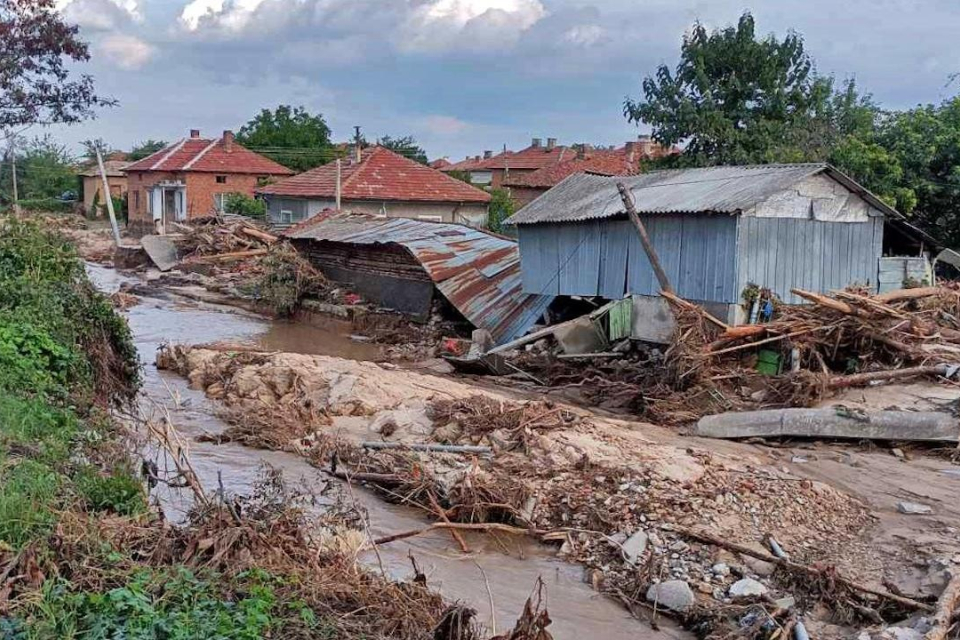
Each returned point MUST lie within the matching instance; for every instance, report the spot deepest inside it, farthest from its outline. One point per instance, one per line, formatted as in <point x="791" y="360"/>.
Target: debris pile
<point x="620" y="504"/>
<point x="805" y="352"/>
<point x="217" y="240"/>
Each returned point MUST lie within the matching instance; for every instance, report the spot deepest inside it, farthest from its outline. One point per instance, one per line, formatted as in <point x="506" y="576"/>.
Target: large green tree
<point x="406" y="146"/>
<point x="291" y="136"/>
<point x="146" y="148"/>
<point x="45" y="169"/>
<point x="734" y="98"/>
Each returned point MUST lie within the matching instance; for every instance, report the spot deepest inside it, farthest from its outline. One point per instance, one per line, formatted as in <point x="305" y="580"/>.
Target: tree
<point x="406" y="146"/>
<point x="45" y="169"/>
<point x="500" y="208"/>
<point x="37" y="49"/>
<point x="145" y="148"/>
<point x="91" y="146"/>
<point x="293" y="137"/>
<point x="737" y="99"/>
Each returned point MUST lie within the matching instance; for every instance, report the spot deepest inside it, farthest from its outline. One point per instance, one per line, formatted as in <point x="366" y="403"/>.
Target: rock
<point x="786" y="603"/>
<point x="747" y="587"/>
<point x="634" y="547"/>
<point x="721" y="569"/>
<point x="760" y="567"/>
<point x="675" y="595"/>
<point x="898" y="453"/>
<point x="914" y="508"/>
<point x="901" y="633"/>
<point x="705" y="587"/>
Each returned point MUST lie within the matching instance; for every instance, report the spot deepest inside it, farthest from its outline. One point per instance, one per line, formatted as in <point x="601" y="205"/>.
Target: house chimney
<point x="631" y="148"/>
<point x="194" y="133"/>
<point x="228" y="141"/>
<point x="487" y="155"/>
<point x="551" y="144"/>
<point x="535" y="143"/>
<point x="581" y="151"/>
<point x="476" y="158"/>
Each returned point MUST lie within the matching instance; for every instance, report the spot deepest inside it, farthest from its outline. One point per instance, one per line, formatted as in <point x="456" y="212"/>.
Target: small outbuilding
<point x="717" y="231"/>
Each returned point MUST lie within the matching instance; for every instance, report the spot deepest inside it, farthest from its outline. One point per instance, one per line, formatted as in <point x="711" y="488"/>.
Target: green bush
<point x="30" y="491"/>
<point x="244" y="205"/>
<point x="54" y="205"/>
<point x="175" y="604"/>
<point x="119" y="492"/>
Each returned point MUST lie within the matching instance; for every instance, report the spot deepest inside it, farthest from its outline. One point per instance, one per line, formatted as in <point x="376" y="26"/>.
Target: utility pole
<point x="338" y="184"/>
<point x="13" y="166"/>
<point x="644" y="238"/>
<point x="108" y="198"/>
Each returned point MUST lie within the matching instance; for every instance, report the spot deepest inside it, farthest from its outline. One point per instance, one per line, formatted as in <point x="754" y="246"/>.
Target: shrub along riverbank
<point x="83" y="554"/>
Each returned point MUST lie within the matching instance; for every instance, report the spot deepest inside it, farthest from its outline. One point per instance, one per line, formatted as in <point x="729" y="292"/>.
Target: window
<point x="286" y="216"/>
<point x="221" y="179"/>
<point x="136" y="199"/>
<point x="220" y="202"/>
<point x="431" y="218"/>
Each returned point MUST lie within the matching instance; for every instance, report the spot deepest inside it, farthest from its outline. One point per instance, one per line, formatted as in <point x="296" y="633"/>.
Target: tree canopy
<point x="37" y="50"/>
<point x="291" y="136"/>
<point x="406" y="146"/>
<point x="146" y="148"/>
<point x="734" y="98"/>
<point x="45" y="169"/>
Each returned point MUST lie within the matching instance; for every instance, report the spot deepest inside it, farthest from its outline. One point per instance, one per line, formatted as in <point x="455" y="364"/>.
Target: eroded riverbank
<point x="510" y="565"/>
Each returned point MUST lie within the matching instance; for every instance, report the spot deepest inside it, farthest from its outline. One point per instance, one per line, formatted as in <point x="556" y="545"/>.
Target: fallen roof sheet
<point x="714" y="190"/>
<point x="478" y="272"/>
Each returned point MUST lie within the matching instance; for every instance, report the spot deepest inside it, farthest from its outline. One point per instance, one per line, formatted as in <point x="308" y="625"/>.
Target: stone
<point x="747" y="587"/>
<point x="721" y="569"/>
<point x="901" y="633"/>
<point x="675" y="595"/>
<point x="634" y="547"/>
<point x="914" y="508"/>
<point x="786" y="603"/>
<point x="760" y="567"/>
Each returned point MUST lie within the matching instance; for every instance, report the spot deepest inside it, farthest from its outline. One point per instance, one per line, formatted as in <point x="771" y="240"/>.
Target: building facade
<point x="192" y="178"/>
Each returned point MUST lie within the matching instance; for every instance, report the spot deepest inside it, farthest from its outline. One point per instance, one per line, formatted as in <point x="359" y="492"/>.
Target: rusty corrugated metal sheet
<point x="477" y="272"/>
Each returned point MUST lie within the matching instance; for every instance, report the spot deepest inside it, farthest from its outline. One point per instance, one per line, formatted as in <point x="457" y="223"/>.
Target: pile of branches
<point x="478" y="417"/>
<point x="219" y="240"/>
<point x="286" y="278"/>
<point x="845" y="339"/>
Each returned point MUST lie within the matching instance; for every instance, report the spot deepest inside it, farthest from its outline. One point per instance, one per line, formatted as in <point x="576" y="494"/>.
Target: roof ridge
<point x="359" y="167"/>
<point x="173" y="149"/>
<point x="202" y="153"/>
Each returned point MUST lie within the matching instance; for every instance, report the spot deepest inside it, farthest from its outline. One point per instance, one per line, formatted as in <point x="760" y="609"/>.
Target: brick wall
<point x="201" y="188"/>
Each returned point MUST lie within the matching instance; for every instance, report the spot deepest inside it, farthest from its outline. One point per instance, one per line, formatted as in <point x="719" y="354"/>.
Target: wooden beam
<point x="644" y="238"/>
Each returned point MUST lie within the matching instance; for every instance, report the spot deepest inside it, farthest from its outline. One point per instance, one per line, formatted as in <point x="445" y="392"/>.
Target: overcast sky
<point x="463" y="75"/>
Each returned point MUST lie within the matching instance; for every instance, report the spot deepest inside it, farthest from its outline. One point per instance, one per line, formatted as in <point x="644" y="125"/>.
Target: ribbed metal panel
<point x="785" y="253"/>
<point x="607" y="259"/>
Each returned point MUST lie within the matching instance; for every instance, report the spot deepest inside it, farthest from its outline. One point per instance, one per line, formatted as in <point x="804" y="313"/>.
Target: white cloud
<point x="230" y="15"/>
<point x="442" y="25"/>
<point x="100" y="14"/>
<point x="585" y="35"/>
<point x="125" y="52"/>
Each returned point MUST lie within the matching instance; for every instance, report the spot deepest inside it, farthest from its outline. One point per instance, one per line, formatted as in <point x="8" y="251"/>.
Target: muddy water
<point x="511" y="566"/>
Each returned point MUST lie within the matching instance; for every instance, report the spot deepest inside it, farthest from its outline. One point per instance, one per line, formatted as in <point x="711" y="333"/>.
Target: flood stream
<point x="511" y="565"/>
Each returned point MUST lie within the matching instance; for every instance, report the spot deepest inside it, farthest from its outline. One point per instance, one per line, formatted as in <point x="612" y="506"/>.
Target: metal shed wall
<point x="785" y="253"/>
<point x="605" y="257"/>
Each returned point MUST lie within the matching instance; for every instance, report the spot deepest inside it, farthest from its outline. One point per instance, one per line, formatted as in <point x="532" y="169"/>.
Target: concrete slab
<point x="162" y="251"/>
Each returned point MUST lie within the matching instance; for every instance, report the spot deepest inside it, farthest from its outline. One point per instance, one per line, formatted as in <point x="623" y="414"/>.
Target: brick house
<point x="376" y="181"/>
<point x="623" y="161"/>
<point x="493" y="170"/>
<point x="191" y="178"/>
<point x="93" y="197"/>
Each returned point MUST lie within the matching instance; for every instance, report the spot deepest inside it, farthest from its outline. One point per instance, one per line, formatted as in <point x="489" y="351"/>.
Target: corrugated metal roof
<point x="479" y="273"/>
<point x="714" y="190"/>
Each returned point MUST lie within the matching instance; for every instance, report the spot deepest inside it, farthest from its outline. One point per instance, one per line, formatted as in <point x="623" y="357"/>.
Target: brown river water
<point x="511" y="566"/>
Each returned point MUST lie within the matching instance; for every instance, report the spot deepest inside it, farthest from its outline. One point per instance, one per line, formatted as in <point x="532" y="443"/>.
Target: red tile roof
<point x="441" y="163"/>
<point x="381" y="174"/>
<point x="212" y="156"/>
<point x="533" y="157"/>
<point x="616" y="162"/>
<point x="464" y="165"/>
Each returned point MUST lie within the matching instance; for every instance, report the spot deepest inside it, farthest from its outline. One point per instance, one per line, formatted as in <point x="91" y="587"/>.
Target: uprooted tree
<point x="37" y="85"/>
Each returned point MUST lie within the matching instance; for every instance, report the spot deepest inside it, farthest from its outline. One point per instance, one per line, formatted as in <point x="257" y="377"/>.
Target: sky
<point x="463" y="76"/>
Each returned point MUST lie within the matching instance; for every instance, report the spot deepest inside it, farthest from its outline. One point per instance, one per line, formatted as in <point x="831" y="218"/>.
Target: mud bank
<point x="510" y="565"/>
<point x="587" y="482"/>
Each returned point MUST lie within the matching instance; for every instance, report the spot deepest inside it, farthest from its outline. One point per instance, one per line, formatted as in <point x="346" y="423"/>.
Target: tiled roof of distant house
<point x="536" y="156"/>
<point x="381" y="174"/>
<point x="440" y="163"/>
<point x="219" y="155"/>
<point x="114" y="169"/>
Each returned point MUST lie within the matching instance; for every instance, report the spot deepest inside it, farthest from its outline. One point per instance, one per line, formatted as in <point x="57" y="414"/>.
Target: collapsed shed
<point x="717" y="231"/>
<point x="400" y="263"/>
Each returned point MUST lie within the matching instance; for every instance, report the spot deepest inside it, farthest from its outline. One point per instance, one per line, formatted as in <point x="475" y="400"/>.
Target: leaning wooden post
<point x="109" y="199"/>
<point x="644" y="239"/>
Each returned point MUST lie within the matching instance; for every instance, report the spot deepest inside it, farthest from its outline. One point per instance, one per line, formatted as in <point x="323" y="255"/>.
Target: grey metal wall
<point x="605" y="257"/>
<point x="785" y="253"/>
<point x="297" y="207"/>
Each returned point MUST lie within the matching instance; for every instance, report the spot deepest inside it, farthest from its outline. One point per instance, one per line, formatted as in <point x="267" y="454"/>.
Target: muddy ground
<point x="602" y="478"/>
